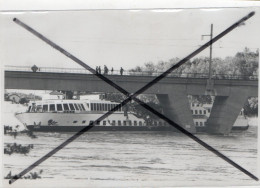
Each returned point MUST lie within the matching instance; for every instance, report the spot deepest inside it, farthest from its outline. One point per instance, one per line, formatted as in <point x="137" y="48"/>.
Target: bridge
<point x="231" y="91"/>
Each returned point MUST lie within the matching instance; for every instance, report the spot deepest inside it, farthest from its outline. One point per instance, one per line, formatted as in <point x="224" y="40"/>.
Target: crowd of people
<point x="34" y="68"/>
<point x="106" y="70"/>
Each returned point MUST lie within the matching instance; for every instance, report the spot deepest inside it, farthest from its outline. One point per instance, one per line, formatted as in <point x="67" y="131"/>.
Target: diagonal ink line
<point x="137" y="100"/>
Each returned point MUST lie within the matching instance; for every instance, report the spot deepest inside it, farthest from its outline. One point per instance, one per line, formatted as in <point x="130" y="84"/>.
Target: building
<point x="200" y="113"/>
<point x="53" y="95"/>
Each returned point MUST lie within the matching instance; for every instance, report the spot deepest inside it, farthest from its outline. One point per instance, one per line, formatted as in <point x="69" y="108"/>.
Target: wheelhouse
<point x="57" y="106"/>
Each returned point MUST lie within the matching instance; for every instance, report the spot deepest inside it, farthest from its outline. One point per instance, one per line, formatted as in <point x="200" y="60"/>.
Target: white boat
<point x="74" y="115"/>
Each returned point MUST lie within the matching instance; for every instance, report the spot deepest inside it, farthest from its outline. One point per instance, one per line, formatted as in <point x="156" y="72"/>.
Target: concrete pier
<point x="225" y="111"/>
<point x="177" y="108"/>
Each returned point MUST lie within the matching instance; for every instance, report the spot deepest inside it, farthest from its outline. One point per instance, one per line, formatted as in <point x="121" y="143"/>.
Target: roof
<point x="55" y="93"/>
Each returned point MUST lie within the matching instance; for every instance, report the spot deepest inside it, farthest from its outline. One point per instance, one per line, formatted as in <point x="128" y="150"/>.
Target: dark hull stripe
<point x="97" y="128"/>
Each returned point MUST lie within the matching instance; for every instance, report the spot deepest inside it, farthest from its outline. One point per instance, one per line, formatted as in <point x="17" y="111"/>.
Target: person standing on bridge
<point x="34" y="68"/>
<point x="121" y="71"/>
<point x="105" y="69"/>
<point x="112" y="70"/>
<point x="99" y="70"/>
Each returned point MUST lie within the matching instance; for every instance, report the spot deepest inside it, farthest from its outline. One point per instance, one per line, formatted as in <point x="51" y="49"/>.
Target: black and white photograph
<point x="130" y="97"/>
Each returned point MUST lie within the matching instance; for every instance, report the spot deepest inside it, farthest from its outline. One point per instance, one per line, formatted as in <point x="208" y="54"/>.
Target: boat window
<point x="191" y="111"/>
<point x="79" y="107"/>
<point x="66" y="107"/>
<point x="33" y="107"/>
<point x="75" y="121"/>
<point x="76" y="106"/>
<point x="200" y="112"/>
<point x="59" y="107"/>
<point x="95" y="106"/>
<point x="124" y="122"/>
<point x="140" y="123"/>
<point x="83" y="121"/>
<point x="39" y="108"/>
<point x="29" y="108"/>
<point x="91" y="122"/>
<point x="196" y="111"/>
<point x="98" y="106"/>
<point x="113" y="106"/>
<point x="130" y="122"/>
<point x="135" y="123"/>
<point x="200" y="123"/>
<point x="103" y="107"/>
<point x="155" y="123"/>
<point x="45" y="108"/>
<point x="208" y="110"/>
<point x="119" y="122"/>
<point x="204" y="111"/>
<point x="109" y="107"/>
<point x="197" y="123"/>
<point x="83" y="108"/>
<point x="91" y="106"/>
<point x="52" y="107"/>
<point x="113" y="122"/>
<point x="104" y="122"/>
<point x="98" y="122"/>
<point x="71" y="106"/>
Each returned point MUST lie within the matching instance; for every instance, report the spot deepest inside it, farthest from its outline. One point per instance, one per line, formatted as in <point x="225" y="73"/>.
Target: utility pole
<point x="209" y="82"/>
<point x="210" y="53"/>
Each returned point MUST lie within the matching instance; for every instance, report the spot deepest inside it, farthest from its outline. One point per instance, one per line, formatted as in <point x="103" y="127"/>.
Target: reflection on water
<point x="138" y="156"/>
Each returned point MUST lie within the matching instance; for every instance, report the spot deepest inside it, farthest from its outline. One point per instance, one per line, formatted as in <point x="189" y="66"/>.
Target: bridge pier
<point x="177" y="108"/>
<point x="225" y="111"/>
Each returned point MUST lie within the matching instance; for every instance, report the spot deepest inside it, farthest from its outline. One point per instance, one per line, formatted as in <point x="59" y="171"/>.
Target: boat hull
<point x="96" y="128"/>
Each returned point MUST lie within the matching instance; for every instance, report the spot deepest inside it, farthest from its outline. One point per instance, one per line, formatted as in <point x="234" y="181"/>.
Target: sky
<point x="123" y="38"/>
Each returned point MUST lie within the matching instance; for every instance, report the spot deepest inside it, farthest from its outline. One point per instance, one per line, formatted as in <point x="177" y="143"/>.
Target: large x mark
<point x="133" y="97"/>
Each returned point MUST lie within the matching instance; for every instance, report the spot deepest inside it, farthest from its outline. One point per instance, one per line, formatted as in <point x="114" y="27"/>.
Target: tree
<point x="136" y="69"/>
<point x="247" y="62"/>
<point x="251" y="107"/>
<point x="24" y="101"/>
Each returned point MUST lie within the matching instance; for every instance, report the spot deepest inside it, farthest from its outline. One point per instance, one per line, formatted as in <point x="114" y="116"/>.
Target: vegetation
<point x="32" y="175"/>
<point x="243" y="64"/>
<point x="17" y="148"/>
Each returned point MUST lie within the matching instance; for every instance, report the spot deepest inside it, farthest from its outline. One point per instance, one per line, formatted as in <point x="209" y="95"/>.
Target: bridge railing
<point x="131" y="73"/>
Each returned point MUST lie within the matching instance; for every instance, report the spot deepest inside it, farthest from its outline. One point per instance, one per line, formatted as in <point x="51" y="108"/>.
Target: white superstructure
<point x="76" y="113"/>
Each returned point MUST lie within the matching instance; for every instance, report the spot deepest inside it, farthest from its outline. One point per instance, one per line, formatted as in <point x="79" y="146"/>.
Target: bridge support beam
<point x="225" y="111"/>
<point x="177" y="108"/>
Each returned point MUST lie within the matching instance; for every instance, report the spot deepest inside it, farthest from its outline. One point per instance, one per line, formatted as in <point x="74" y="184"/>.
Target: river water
<point x="114" y="159"/>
